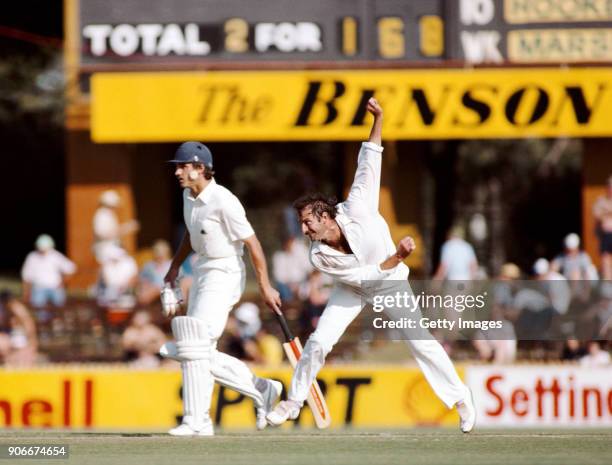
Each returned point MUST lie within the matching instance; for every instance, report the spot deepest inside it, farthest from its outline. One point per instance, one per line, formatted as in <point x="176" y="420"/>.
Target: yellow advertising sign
<point x="132" y="399"/>
<point x="330" y="105"/>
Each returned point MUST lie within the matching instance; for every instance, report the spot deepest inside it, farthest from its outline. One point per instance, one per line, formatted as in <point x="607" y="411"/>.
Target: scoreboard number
<point x="349" y="36"/>
<point x="391" y="41"/>
<point x="431" y="36"/>
<point x="236" y="35"/>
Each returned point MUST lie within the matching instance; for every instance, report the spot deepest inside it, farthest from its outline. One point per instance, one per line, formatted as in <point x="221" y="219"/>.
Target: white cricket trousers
<point x="217" y="286"/>
<point x="343" y="307"/>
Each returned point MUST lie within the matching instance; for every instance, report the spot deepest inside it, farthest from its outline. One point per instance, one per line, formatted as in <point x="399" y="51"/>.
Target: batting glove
<point x="171" y="300"/>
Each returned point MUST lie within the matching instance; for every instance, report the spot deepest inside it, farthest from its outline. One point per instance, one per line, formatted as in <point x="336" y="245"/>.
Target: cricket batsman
<point x="217" y="230"/>
<point x="351" y="243"/>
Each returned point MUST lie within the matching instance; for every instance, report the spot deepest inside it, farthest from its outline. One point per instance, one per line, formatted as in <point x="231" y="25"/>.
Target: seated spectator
<point x="141" y="341"/>
<point x="577" y="267"/>
<point x="152" y="275"/>
<point x="43" y="274"/>
<point x="596" y="356"/>
<point x="248" y="340"/>
<point x="497" y="345"/>
<point x="573" y="263"/>
<point x="290" y="267"/>
<point x="555" y="284"/>
<point x="315" y="293"/>
<point x="18" y="340"/>
<point x="572" y="350"/>
<point x="118" y="275"/>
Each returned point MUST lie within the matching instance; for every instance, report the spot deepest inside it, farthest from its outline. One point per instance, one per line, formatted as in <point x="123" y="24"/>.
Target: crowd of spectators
<point x="126" y="295"/>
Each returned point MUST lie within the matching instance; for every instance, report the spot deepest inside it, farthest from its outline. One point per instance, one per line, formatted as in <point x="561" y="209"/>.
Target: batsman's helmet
<point x="193" y="152"/>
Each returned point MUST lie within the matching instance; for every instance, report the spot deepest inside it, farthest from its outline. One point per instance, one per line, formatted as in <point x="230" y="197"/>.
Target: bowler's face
<point x="312" y="226"/>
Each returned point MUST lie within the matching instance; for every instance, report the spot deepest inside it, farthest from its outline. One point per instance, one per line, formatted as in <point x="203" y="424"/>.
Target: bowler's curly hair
<point x="318" y="204"/>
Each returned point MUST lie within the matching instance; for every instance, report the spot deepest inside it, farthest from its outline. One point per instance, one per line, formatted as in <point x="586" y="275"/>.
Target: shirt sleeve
<point x="353" y="276"/>
<point x="26" y="270"/>
<point x="235" y="220"/>
<point x="66" y="265"/>
<point x="364" y="193"/>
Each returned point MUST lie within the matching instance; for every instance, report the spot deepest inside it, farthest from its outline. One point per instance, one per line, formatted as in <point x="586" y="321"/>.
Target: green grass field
<point x="272" y="447"/>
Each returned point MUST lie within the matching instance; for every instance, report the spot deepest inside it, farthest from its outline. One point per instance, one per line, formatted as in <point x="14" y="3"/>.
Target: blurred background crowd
<point x="119" y="318"/>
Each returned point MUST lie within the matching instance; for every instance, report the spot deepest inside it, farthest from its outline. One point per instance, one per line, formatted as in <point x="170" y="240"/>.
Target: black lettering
<point x="352" y="384"/>
<point x="582" y="111"/>
<point x="539" y="110"/>
<point x="223" y="401"/>
<point x="361" y="112"/>
<point x="312" y="98"/>
<point x="482" y="109"/>
<point x="179" y="418"/>
<point x="212" y="92"/>
<point x="426" y="111"/>
<point x="234" y="103"/>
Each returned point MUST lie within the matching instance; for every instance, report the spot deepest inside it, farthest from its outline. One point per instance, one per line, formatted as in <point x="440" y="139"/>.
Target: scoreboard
<point x="530" y="31"/>
<point x="131" y="31"/>
<point x="419" y="31"/>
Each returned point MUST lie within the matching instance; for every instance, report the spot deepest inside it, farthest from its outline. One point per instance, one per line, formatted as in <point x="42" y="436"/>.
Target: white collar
<point x="206" y="194"/>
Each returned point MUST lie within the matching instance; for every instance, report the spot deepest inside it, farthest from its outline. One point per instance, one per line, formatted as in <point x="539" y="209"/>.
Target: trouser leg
<point x="215" y="296"/>
<point x="342" y="308"/>
<point x="439" y="371"/>
<point x="429" y="354"/>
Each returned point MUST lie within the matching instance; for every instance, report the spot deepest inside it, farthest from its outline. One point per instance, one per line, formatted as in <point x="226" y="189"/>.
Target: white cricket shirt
<point x="363" y="226"/>
<point x="216" y="222"/>
<point x="46" y="269"/>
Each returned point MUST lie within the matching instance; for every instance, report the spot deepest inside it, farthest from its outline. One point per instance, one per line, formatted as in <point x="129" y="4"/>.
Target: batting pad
<point x="193" y="340"/>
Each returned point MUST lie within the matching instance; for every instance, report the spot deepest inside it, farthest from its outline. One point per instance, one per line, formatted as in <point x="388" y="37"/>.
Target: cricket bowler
<point x="217" y="230"/>
<point x="351" y="242"/>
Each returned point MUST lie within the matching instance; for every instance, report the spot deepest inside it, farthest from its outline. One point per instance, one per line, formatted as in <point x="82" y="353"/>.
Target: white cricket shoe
<point x="270" y="393"/>
<point x="285" y="410"/>
<point x="186" y="430"/>
<point x="467" y="413"/>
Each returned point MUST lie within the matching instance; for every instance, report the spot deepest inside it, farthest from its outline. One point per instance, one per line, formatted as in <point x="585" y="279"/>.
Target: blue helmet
<point x="193" y="152"/>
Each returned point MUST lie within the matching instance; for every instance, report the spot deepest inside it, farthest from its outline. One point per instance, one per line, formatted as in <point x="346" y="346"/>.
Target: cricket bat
<point x="315" y="400"/>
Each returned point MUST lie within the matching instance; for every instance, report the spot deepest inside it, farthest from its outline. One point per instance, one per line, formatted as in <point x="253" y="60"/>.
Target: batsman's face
<point x="313" y="227"/>
<point x="182" y="174"/>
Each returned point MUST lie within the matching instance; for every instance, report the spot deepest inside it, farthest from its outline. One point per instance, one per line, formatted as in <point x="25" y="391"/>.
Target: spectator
<point x="315" y="293"/>
<point x="118" y="275"/>
<point x="141" y="341"/>
<point x="43" y="274"/>
<point x="574" y="263"/>
<point x="152" y="275"/>
<point x="602" y="210"/>
<point x="572" y="350"/>
<point x="18" y="340"/>
<point x="106" y="227"/>
<point x="498" y="345"/>
<point x="249" y="340"/>
<point x="577" y="267"/>
<point x="596" y="356"/>
<point x="290" y="267"/>
<point x="555" y="285"/>
<point x="505" y="288"/>
<point x="457" y="259"/>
